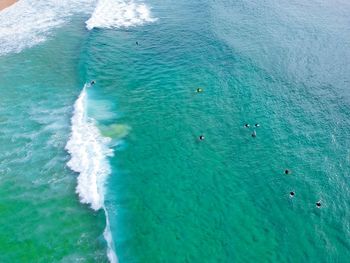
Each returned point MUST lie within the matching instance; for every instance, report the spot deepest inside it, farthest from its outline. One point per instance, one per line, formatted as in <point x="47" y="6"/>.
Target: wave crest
<point x="89" y="151"/>
<point x="119" y="14"/>
<point x="28" y="23"/>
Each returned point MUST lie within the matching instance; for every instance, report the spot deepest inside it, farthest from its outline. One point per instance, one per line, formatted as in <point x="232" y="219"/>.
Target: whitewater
<point x="119" y="14"/>
<point x="27" y="24"/>
<point x="89" y="151"/>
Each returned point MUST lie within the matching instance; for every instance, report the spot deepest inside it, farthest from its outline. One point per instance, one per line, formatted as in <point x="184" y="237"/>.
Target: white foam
<point x="119" y="14"/>
<point x="28" y="23"/>
<point x="89" y="151"/>
<point x="107" y="234"/>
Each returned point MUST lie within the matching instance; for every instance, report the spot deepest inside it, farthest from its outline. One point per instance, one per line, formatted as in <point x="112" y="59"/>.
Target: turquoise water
<point x="168" y="196"/>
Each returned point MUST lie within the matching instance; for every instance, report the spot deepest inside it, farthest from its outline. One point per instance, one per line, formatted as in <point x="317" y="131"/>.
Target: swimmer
<point x="257" y="125"/>
<point x="254" y="134"/>
<point x="246" y="125"/>
<point x="92" y="82"/>
<point x="318" y="204"/>
<point x="199" y="90"/>
<point x="291" y="194"/>
<point x="201" y="137"/>
<point x="286" y="171"/>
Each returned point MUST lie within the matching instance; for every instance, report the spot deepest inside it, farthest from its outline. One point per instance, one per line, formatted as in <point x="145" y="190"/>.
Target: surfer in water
<point x="254" y="134"/>
<point x="292" y="194"/>
<point x="92" y="82"/>
<point x="257" y="125"/>
<point x="246" y="125"/>
<point x="201" y="137"/>
<point x="286" y="171"/>
<point x="137" y="43"/>
<point x="318" y="204"/>
<point x="199" y="90"/>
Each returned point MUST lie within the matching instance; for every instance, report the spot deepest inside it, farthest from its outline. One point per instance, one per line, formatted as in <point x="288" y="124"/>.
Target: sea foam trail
<point x="119" y="14"/>
<point x="89" y="151"/>
<point x="28" y="23"/>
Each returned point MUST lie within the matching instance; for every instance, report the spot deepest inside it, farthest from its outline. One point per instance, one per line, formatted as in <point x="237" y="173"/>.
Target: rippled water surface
<point x="169" y="197"/>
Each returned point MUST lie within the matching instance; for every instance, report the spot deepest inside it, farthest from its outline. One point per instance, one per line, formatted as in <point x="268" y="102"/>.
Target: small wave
<point x="28" y="23"/>
<point x="89" y="151"/>
<point x="119" y="14"/>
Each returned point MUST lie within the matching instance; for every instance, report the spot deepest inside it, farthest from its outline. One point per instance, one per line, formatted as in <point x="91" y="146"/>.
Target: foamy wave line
<point x="119" y="14"/>
<point x="107" y="234"/>
<point x="89" y="152"/>
<point x="28" y="23"/>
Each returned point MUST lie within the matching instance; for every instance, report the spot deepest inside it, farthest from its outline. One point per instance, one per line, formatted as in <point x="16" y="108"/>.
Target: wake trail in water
<point x="119" y="14"/>
<point x="89" y="152"/>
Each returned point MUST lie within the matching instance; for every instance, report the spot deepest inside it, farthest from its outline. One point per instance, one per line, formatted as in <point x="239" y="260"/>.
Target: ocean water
<point x="115" y="172"/>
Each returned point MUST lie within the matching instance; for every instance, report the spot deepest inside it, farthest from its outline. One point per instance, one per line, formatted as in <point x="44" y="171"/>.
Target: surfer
<point x="291" y="194"/>
<point x="254" y="134"/>
<point x="201" y="137"/>
<point x="287" y="171"/>
<point x="137" y="43"/>
<point x="92" y="82"/>
<point x="246" y="125"/>
<point x="257" y="125"/>
<point x="199" y="90"/>
<point x="318" y="204"/>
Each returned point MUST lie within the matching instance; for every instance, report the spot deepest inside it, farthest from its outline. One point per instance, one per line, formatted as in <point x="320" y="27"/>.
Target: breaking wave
<point x="28" y="23"/>
<point x="89" y="151"/>
<point x="119" y="14"/>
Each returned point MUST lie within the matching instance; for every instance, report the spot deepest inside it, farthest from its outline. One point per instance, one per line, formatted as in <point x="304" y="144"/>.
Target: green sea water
<point x="169" y="196"/>
<point x="41" y="218"/>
